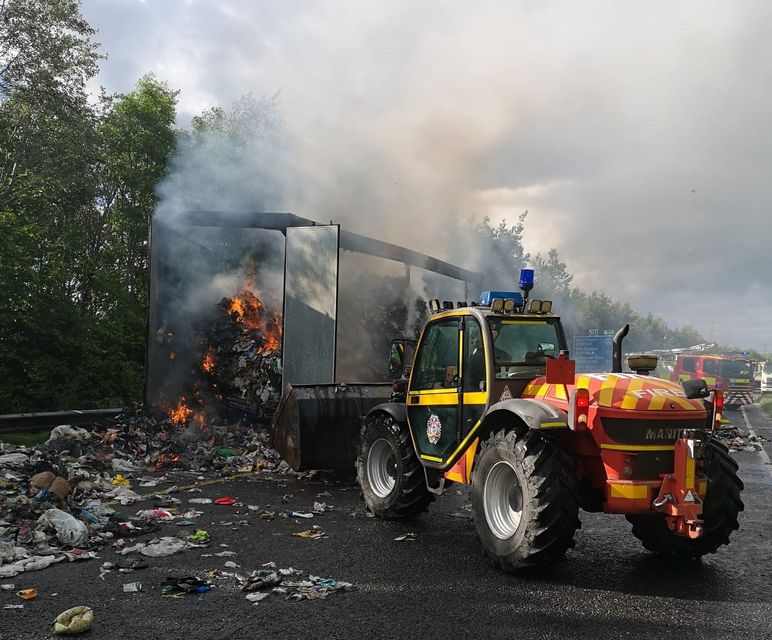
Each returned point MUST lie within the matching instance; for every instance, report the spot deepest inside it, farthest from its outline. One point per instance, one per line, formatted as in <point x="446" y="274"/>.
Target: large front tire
<point x="388" y="471"/>
<point x="524" y="501"/>
<point x="721" y="507"/>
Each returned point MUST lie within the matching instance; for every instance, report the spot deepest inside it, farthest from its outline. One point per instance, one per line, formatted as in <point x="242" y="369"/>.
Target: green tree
<point x="77" y="188"/>
<point x="46" y="49"/>
<point x="48" y="149"/>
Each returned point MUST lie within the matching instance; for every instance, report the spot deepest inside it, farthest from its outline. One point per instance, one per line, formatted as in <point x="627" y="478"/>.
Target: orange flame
<point x="248" y="310"/>
<point x="181" y="413"/>
<point x="208" y="362"/>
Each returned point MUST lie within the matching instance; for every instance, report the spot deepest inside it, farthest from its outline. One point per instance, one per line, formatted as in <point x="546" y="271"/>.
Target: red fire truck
<point x="731" y="374"/>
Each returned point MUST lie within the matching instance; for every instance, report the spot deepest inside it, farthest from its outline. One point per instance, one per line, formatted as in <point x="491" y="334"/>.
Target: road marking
<point x="762" y="452"/>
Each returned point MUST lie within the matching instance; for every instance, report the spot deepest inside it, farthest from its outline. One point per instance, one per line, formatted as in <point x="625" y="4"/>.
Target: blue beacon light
<point x="526" y="278"/>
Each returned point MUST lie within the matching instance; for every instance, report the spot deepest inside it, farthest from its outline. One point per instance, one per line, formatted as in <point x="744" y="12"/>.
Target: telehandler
<point x="491" y="400"/>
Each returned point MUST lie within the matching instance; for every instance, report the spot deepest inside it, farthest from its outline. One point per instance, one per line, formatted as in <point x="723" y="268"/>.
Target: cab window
<point x="710" y="367"/>
<point x="474" y="357"/>
<point x="436" y="364"/>
<point x="736" y="369"/>
<point x="521" y="348"/>
<point x="688" y="365"/>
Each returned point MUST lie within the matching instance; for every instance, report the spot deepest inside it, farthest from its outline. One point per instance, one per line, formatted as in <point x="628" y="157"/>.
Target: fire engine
<point x="731" y="374"/>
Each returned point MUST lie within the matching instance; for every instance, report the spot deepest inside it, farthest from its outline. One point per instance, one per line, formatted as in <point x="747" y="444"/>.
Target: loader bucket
<point x="317" y="426"/>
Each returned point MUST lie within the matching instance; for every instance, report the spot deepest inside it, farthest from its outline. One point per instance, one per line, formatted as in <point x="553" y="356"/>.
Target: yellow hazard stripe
<point x="638" y="447"/>
<point x="628" y="491"/>
<point x="553" y="425"/>
<point x="657" y="402"/>
<point x="431" y="458"/>
<point x="454" y="475"/>
<point x="607" y="391"/>
<point x="429" y="392"/>
<point x="583" y="382"/>
<point x="447" y="399"/>
<point x="524" y="322"/>
<point x="630" y="401"/>
<point x="690" y="468"/>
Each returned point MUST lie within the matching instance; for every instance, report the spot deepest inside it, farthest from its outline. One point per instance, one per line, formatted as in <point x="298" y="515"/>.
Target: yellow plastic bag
<point x="120" y="481"/>
<point x="74" y="621"/>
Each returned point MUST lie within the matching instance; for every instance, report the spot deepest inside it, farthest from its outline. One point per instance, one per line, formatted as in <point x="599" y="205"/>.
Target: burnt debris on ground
<point x="73" y="495"/>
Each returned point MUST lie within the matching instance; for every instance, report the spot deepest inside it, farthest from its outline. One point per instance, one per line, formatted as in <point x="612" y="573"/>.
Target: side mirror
<point x="695" y="389"/>
<point x="561" y="370"/>
<point x="547" y="348"/>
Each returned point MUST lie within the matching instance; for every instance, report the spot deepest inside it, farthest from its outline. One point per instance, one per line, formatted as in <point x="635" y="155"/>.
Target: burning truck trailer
<point x="246" y="310"/>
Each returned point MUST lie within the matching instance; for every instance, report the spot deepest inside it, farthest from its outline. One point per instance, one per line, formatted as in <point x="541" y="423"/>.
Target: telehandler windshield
<point x="521" y="347"/>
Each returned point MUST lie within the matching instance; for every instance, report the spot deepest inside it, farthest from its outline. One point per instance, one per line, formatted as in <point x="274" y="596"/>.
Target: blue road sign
<point x="592" y="353"/>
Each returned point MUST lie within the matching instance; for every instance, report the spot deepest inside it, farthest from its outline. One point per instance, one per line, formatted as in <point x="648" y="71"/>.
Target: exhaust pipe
<point x="616" y="357"/>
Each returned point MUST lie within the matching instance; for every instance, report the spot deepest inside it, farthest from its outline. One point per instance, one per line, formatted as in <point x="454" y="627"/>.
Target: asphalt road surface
<point x="437" y="586"/>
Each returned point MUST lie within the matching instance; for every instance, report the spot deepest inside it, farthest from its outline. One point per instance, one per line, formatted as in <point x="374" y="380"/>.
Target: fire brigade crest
<point x="433" y="428"/>
<point x="506" y="394"/>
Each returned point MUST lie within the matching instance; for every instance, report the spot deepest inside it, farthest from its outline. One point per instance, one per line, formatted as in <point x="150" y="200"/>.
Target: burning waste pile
<point x="242" y="359"/>
<point x="225" y="364"/>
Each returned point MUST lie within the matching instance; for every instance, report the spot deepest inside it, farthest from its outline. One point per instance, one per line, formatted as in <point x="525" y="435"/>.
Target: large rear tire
<point x="524" y="501"/>
<point x="390" y="476"/>
<point x="721" y="507"/>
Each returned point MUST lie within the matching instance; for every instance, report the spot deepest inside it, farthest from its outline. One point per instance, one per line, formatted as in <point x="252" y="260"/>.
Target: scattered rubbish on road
<point x="181" y="586"/>
<point x="232" y="565"/>
<point x="74" y="621"/>
<point x="70" y="531"/>
<point x="13" y="606"/>
<point x="225" y="500"/>
<point x="158" y="547"/>
<point x="200" y="500"/>
<point x="199" y="538"/>
<point x="270" y="579"/>
<point x="405" y="537"/>
<point x="296" y="514"/>
<point x="256" y="597"/>
<point x="737" y="440"/>
<point x="7" y="587"/>
<point x="132" y="587"/>
<point x="315" y="533"/>
<point x="27" y="594"/>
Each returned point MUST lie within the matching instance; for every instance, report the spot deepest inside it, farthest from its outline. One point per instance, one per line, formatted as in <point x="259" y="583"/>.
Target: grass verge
<point x="766" y="404"/>
<point x="25" y="438"/>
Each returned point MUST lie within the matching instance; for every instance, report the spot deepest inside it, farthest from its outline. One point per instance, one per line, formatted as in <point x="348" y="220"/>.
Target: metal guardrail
<point x="11" y="422"/>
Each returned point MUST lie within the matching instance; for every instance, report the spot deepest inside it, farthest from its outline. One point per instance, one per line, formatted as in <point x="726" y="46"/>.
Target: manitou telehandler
<point x="492" y="401"/>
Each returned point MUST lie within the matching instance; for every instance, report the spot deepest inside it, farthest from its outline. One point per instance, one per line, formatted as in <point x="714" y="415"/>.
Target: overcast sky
<point x="637" y="134"/>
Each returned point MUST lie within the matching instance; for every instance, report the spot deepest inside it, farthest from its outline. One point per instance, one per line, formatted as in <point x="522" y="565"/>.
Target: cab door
<point x="435" y="392"/>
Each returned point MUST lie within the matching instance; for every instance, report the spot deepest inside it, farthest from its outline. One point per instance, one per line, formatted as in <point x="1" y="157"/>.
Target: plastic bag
<point x="73" y="621"/>
<point x="69" y="530"/>
<point x="68" y="432"/>
<point x="13" y="459"/>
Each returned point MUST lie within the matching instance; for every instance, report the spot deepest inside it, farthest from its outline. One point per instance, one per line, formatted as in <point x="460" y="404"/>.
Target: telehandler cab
<point x="492" y="401"/>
